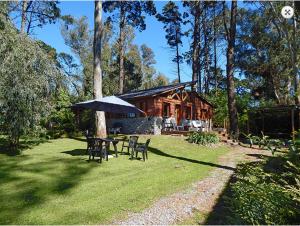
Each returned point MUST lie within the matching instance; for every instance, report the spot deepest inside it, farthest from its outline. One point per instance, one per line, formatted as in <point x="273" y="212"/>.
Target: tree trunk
<point x="206" y="52"/>
<point x="233" y="116"/>
<point x="177" y="60"/>
<point x="215" y="51"/>
<point x="294" y="61"/>
<point x="23" y="19"/>
<point x="196" y="42"/>
<point x="121" y="50"/>
<point x="99" y="116"/>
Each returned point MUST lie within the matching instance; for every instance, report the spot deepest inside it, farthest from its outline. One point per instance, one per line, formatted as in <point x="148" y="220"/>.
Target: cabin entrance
<point x="178" y="113"/>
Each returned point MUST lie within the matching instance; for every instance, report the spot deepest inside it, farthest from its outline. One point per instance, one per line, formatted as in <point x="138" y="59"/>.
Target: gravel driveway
<point x="201" y="196"/>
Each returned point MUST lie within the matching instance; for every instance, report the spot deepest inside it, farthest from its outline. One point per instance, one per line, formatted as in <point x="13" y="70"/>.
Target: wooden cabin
<point x="176" y="101"/>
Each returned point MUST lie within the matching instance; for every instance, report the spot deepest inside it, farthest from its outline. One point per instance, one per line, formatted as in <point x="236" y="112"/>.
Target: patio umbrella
<point x="108" y="104"/>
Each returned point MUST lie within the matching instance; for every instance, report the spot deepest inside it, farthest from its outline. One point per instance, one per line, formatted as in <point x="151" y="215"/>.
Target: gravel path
<point x="201" y="196"/>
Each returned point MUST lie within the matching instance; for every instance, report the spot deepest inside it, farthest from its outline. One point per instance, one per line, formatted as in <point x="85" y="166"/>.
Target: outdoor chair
<point x="175" y="126"/>
<point x="89" y="140"/>
<point x="95" y="150"/>
<point x="131" y="143"/>
<point x="143" y="148"/>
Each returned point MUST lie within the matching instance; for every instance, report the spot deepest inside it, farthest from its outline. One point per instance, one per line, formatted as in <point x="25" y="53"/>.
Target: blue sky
<point x="153" y="36"/>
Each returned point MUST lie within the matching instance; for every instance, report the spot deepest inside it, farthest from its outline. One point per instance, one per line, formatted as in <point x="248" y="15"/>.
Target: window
<point x="166" y="109"/>
<point x="188" y="113"/>
<point x="131" y="115"/>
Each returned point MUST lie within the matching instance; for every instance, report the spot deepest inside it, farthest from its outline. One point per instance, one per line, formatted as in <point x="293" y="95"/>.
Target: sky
<point x="153" y="36"/>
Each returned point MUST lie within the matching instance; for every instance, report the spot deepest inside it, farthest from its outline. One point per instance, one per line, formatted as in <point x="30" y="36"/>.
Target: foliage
<point x="134" y="11"/>
<point x="26" y="80"/>
<point x="263" y="52"/>
<point x="267" y="192"/>
<point x="79" y="38"/>
<point x="219" y="102"/>
<point x="148" y="60"/>
<point x="38" y="13"/>
<point x="172" y="19"/>
<point x="203" y="138"/>
<point x="264" y="141"/>
<point x="61" y="118"/>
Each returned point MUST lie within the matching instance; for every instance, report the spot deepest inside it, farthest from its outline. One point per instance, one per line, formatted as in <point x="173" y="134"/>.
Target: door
<point x="178" y="114"/>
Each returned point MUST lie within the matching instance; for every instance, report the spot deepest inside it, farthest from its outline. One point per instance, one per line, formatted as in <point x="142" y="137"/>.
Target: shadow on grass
<point x="159" y="152"/>
<point x="24" y="144"/>
<point x="259" y="156"/>
<point x="76" y="152"/>
<point x="48" y="178"/>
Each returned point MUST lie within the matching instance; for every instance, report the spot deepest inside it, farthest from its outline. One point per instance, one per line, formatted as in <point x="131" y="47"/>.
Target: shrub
<point x="266" y="192"/>
<point x="203" y="138"/>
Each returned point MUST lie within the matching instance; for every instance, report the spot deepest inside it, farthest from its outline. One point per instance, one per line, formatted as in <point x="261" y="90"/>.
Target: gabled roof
<point x="154" y="91"/>
<point x="157" y="91"/>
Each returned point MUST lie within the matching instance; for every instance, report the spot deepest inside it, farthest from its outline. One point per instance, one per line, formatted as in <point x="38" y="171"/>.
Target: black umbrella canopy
<point x="111" y="104"/>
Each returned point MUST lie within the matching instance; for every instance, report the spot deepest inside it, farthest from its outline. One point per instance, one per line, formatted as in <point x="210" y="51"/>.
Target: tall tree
<point x="195" y="11"/>
<point x="99" y="115"/>
<point x="79" y="38"/>
<point x="290" y="35"/>
<point x="34" y="13"/>
<point x="172" y="19"/>
<point x="130" y="13"/>
<point x="230" y="37"/>
<point x="148" y="70"/>
<point x="133" y="69"/>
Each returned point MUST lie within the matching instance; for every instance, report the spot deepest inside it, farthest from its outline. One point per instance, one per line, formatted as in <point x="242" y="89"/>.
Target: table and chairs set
<point x="100" y="147"/>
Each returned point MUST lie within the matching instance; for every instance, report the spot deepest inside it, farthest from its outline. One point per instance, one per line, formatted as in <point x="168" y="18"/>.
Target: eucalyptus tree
<point x="230" y="35"/>
<point x="127" y="13"/>
<point x="100" y="123"/>
<point x="172" y="19"/>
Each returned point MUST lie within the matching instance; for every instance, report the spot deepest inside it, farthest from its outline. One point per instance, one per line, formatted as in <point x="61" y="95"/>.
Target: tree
<point x="195" y="11"/>
<point x="130" y="13"/>
<point x="172" y="19"/>
<point x="133" y="69"/>
<point x="264" y="56"/>
<point x="27" y="76"/>
<point x="34" y="13"/>
<point x="161" y="80"/>
<point x="71" y="71"/>
<point x="99" y="115"/>
<point x="230" y="37"/>
<point x="78" y="37"/>
<point x="148" y="70"/>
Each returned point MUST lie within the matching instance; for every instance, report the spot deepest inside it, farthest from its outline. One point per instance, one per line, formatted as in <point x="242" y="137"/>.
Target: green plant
<point x="252" y="139"/>
<point x="203" y="138"/>
<point x="265" y="193"/>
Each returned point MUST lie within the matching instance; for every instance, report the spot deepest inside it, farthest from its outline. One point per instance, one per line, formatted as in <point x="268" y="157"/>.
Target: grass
<point x="53" y="183"/>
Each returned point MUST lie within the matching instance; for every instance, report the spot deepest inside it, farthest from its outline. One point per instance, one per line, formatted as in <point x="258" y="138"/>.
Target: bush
<point x="266" y="192"/>
<point x="203" y="138"/>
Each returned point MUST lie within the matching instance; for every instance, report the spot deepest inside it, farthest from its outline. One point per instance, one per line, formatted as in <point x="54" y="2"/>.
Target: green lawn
<point x="52" y="183"/>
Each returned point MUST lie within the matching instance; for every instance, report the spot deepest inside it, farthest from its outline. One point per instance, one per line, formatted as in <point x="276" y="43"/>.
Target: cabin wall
<point x="193" y="107"/>
<point x="202" y="110"/>
<point x="139" y="125"/>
